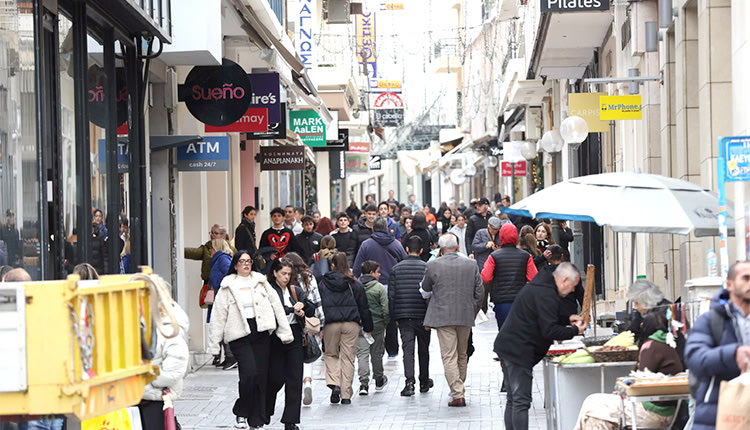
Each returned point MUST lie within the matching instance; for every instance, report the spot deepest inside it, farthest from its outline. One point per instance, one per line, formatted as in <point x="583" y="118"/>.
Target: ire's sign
<point x="574" y="5"/>
<point x="211" y="154"/>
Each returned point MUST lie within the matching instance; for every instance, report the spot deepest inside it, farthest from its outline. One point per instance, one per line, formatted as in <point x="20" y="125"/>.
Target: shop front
<point x="73" y="74"/>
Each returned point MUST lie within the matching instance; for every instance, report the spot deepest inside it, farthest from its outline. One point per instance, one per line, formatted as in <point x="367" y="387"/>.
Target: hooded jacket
<point x="227" y="322"/>
<point x="172" y="356"/>
<point x="382" y="248"/>
<point x="532" y="325"/>
<point x="712" y="361"/>
<point x="344" y="300"/>
<point x="508" y="268"/>
<point x="377" y="301"/>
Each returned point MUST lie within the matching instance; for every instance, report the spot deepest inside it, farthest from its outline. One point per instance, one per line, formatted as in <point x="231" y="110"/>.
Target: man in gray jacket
<point x="457" y="292"/>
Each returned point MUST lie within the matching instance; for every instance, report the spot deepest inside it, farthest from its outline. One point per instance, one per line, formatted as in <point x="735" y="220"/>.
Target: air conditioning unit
<point x="337" y="12"/>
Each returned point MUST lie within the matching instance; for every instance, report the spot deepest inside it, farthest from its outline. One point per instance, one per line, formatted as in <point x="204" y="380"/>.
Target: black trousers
<point x="252" y="354"/>
<point x="285" y="370"/>
<point x="391" y="338"/>
<point x="152" y="414"/>
<point x="413" y="331"/>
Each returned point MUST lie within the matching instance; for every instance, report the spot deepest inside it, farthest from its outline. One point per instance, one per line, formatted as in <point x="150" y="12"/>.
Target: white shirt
<point x="245" y="298"/>
<point x="289" y="301"/>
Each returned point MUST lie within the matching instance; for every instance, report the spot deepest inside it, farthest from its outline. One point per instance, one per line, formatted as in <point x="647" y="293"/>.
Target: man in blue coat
<point x="712" y="359"/>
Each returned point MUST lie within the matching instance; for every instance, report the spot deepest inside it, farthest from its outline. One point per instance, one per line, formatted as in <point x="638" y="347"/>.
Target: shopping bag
<point x="117" y="420"/>
<point x="481" y="317"/>
<point x="734" y="404"/>
<point x="202" y="296"/>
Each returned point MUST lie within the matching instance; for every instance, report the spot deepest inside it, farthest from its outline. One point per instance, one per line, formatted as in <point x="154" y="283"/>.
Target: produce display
<point x="625" y="338"/>
<point x="623" y="342"/>
<point x="579" y="357"/>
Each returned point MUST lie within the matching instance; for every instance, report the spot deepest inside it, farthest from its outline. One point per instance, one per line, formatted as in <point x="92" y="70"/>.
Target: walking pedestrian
<point x="377" y="301"/>
<point x="478" y="220"/>
<point x="456" y="297"/>
<point x="384" y="211"/>
<point x="407" y="309"/>
<point x="246" y="313"/>
<point x="245" y="238"/>
<point x="308" y="241"/>
<point x="10" y="235"/>
<point x="566" y="237"/>
<point x="486" y="241"/>
<point x="460" y="231"/>
<point x="221" y="263"/>
<point x="345" y="306"/>
<point x="286" y="359"/>
<point x="290" y="220"/>
<point x="363" y="227"/>
<point x="420" y="229"/>
<point x="346" y="238"/>
<point x="277" y="240"/>
<point x="327" y="250"/>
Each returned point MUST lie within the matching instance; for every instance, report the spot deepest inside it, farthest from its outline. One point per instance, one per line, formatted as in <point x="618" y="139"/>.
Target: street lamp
<point x="574" y="131"/>
<point x="552" y="142"/>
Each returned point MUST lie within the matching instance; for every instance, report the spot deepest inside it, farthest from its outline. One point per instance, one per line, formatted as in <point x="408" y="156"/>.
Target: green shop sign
<point x="308" y="125"/>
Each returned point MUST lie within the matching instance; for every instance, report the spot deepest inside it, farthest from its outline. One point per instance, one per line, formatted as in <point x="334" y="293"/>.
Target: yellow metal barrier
<point x="83" y="341"/>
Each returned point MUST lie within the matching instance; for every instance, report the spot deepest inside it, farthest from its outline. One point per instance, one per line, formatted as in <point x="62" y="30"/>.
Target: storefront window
<point x="19" y="197"/>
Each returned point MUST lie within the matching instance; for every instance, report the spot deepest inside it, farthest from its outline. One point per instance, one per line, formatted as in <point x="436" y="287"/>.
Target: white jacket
<point x="227" y="322"/>
<point x="172" y="356"/>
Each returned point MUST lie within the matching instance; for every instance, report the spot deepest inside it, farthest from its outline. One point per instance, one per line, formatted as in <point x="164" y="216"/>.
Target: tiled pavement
<point x="209" y="394"/>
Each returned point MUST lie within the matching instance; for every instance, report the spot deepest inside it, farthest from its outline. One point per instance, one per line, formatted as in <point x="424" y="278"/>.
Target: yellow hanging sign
<point x="620" y="107"/>
<point x="586" y="105"/>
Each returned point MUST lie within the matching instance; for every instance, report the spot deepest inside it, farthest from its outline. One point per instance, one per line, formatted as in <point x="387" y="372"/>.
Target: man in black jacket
<point x="407" y="309"/>
<point x="477" y="221"/>
<point x="346" y="239"/>
<point x="527" y="334"/>
<point x="308" y="242"/>
<point x="363" y="227"/>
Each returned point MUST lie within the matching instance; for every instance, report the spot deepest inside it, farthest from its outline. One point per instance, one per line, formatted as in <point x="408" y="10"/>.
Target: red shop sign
<point x="254" y="120"/>
<point x="506" y="169"/>
<point x="520" y="168"/>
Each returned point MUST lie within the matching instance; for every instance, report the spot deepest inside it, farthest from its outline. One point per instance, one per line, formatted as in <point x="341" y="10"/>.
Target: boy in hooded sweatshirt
<point x="377" y="300"/>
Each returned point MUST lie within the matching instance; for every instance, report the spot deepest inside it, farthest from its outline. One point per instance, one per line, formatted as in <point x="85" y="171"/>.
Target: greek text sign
<point x="281" y="157"/>
<point x="574" y="5"/>
<point x="210" y="154"/>
<point x="737" y="156"/>
<point x="308" y="125"/>
<point x="306" y="24"/>
<point x="365" y="30"/>
<point x="620" y="107"/>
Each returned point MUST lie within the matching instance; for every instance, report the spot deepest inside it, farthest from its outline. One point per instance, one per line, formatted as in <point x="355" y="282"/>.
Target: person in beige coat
<point x="246" y="313"/>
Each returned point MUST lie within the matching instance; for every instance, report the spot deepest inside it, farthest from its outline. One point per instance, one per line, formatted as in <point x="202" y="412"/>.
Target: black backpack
<point x="716" y="324"/>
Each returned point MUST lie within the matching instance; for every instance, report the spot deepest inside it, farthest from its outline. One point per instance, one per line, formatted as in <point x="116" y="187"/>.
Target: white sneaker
<point x="307" y="393"/>
<point x="240" y="423"/>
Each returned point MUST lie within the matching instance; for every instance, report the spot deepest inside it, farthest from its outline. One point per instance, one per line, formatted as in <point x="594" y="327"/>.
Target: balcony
<point x="147" y="16"/>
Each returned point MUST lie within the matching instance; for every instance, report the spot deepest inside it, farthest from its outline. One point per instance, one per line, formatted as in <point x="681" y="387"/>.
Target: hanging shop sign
<point x="506" y="169"/>
<point x="275" y="130"/>
<point x="574" y="5"/>
<point x="586" y="105"/>
<point x="389" y="117"/>
<point x="340" y="144"/>
<point x="365" y="31"/>
<point x="382" y="85"/>
<point x="309" y="126"/>
<point x="210" y="154"/>
<point x="337" y="163"/>
<point x="388" y="100"/>
<point x="356" y="163"/>
<point x="265" y="94"/>
<point x="306" y="23"/>
<point x="359" y="147"/>
<point x="123" y="157"/>
<point x="216" y="95"/>
<point x="374" y="162"/>
<point x="520" y="168"/>
<point x="737" y="156"/>
<point x="254" y="120"/>
<point x="620" y="107"/>
<point x="281" y="158"/>
<point x="97" y="107"/>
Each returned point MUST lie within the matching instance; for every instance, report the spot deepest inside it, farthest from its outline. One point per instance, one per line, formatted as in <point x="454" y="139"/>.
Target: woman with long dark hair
<point x="346" y="309"/>
<point x="419" y="228"/>
<point x="302" y="276"/>
<point x="286" y="360"/>
<point x="246" y="313"/>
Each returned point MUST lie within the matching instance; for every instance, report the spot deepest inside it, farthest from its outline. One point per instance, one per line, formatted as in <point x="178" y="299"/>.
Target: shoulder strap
<point x="716" y="322"/>
<point x="391" y="252"/>
<point x="294" y="292"/>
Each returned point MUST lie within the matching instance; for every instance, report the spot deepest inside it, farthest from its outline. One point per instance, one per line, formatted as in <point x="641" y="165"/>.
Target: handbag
<point x="202" y="296"/>
<point x="310" y="348"/>
<point x="312" y="325"/>
<point x="210" y="295"/>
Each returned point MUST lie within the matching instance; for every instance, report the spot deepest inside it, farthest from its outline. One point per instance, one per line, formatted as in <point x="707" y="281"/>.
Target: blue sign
<point x="265" y="89"/>
<point x="737" y="157"/>
<point x="123" y="157"/>
<point x="210" y="154"/>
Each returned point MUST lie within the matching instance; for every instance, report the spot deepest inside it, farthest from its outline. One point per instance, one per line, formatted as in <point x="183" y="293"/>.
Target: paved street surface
<point x="209" y="394"/>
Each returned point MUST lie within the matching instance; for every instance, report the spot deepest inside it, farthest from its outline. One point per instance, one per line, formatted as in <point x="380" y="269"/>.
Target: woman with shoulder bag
<point x="303" y="276"/>
<point x="285" y="369"/>
<point x="221" y="261"/>
<point x="247" y="311"/>
<point x="346" y="309"/>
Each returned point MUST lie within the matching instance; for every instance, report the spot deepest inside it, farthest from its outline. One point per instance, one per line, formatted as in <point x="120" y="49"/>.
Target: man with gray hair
<point x="457" y="293"/>
<point x="529" y="330"/>
<point x="16" y="275"/>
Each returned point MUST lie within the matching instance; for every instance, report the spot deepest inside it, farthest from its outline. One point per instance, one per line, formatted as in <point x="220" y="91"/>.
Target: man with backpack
<point x="718" y="346"/>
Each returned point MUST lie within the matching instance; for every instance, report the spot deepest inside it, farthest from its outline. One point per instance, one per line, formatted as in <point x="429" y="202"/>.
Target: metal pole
<point x="721" y="183"/>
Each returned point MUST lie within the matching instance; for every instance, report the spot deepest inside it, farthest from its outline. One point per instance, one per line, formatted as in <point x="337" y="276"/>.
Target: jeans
<point x="501" y="312"/>
<point x="518" y="379"/>
<point x="53" y="424"/>
<point x="412" y="331"/>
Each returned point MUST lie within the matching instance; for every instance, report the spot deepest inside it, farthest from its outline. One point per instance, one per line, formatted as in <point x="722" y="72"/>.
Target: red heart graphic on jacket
<point x="279" y="242"/>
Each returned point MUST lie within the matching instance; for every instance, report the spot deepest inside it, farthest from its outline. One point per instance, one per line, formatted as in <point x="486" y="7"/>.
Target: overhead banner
<point x="389" y="117"/>
<point x="365" y="31"/>
<point x="210" y="154"/>
<point x="305" y="25"/>
<point x="737" y="156"/>
<point x="281" y="158"/>
<point x="337" y="163"/>
<point x="586" y="105"/>
<point x="574" y="5"/>
<point x="254" y="120"/>
<point x="308" y="125"/>
<point x="216" y="95"/>
<point x="620" y="107"/>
